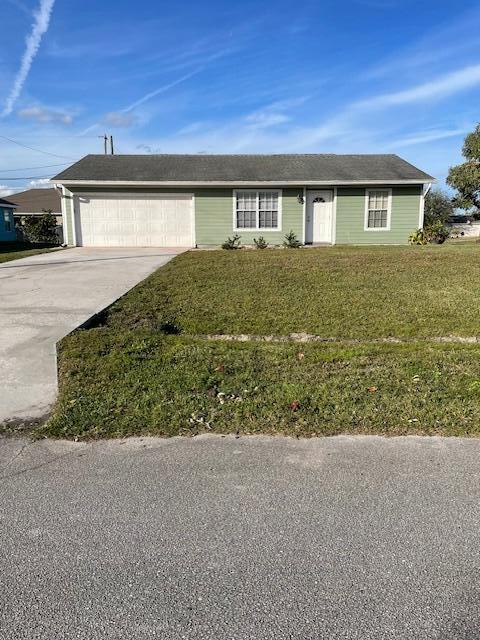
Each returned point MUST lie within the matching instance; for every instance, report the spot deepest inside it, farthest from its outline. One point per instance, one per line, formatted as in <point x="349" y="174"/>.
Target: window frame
<point x="8" y="223"/>
<point x="257" y="228"/>
<point x="389" y="209"/>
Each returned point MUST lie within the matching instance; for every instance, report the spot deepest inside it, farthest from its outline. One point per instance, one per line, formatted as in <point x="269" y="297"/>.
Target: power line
<point x="45" y="166"/>
<point x="26" y="178"/>
<point x="55" y="155"/>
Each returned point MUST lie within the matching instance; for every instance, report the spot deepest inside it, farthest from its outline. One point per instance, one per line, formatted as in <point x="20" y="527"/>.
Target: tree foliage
<point x="40" y="228"/>
<point x="438" y="207"/>
<point x="465" y="178"/>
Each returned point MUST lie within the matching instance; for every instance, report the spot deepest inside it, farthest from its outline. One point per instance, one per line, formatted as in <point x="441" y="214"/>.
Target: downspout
<point x="426" y="189"/>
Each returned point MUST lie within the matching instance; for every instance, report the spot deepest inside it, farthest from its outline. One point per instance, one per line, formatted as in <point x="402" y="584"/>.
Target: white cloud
<point x="44" y="115"/>
<point x="40" y="26"/>
<point x="442" y="87"/>
<point x="156" y="92"/>
<point x="41" y="183"/>
<point x="428" y="136"/>
<point x="119" y="119"/>
<point x="262" y="120"/>
<point x="5" y="191"/>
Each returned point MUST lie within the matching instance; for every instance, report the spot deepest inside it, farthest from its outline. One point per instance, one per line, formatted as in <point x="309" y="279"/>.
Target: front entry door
<point x="319" y="216"/>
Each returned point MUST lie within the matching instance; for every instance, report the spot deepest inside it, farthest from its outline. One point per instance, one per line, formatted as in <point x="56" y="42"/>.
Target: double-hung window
<point x="7" y="220"/>
<point x="257" y="209"/>
<point x="378" y="209"/>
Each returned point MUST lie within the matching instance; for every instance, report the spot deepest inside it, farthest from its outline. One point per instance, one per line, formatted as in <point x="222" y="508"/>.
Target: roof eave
<point x="237" y="183"/>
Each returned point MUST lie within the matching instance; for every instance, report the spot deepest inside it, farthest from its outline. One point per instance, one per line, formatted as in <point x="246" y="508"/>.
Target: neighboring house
<point x="200" y="200"/>
<point x="7" y="223"/>
<point x="36" y="202"/>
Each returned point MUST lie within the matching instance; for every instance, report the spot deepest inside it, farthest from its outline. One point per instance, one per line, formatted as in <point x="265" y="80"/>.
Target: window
<point x="257" y="209"/>
<point x="7" y="220"/>
<point x="378" y="209"/>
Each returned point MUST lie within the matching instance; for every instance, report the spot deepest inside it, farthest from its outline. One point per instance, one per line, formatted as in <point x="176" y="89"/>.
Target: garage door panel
<point x="135" y="221"/>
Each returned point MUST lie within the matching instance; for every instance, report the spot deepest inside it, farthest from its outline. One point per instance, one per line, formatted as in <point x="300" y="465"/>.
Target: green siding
<point x="214" y="217"/>
<point x="214" y="214"/>
<point x="351" y="216"/>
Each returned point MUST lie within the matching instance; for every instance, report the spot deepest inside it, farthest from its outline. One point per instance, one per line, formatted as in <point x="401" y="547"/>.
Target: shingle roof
<point x="284" y="168"/>
<point x="6" y="203"/>
<point x="37" y="200"/>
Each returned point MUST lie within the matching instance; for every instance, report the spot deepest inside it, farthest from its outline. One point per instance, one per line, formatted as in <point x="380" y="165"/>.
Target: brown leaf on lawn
<point x="220" y="367"/>
<point x="300" y="356"/>
<point x="295" y="405"/>
<point x="372" y="389"/>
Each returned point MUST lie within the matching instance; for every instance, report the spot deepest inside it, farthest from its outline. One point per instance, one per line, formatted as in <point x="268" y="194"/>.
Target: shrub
<point x="291" y="241"/>
<point x="232" y="243"/>
<point x="40" y="228"/>
<point x="436" y="232"/>
<point x="260" y="243"/>
<point x="417" y="237"/>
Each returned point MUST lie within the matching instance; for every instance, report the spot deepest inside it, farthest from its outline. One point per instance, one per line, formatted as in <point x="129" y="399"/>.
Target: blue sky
<point x="340" y="76"/>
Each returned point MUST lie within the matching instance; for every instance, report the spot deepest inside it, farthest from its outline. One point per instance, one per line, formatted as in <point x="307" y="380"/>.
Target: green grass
<point x="15" y="250"/>
<point x="141" y="382"/>
<point x="344" y="292"/>
<point x="128" y="376"/>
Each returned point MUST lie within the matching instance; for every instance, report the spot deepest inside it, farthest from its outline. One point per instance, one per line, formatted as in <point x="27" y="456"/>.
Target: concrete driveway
<point x="44" y="297"/>
<point x="245" y="539"/>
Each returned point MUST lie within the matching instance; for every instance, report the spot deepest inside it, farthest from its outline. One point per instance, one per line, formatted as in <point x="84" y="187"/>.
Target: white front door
<point x="319" y="216"/>
<point x="134" y="220"/>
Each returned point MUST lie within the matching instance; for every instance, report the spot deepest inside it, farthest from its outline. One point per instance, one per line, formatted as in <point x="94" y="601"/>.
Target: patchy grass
<point x="15" y="250"/>
<point x="132" y="375"/>
<point x="344" y="292"/>
<point x="116" y="384"/>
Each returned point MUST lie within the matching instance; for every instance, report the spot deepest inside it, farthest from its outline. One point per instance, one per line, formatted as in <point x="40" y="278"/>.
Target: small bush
<point x="291" y="241"/>
<point x="260" y="243"/>
<point x="232" y="243"/>
<point x="436" y="232"/>
<point x="417" y="237"/>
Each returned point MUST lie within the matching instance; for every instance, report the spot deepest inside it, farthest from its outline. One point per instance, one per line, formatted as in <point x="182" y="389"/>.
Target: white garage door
<point x="134" y="220"/>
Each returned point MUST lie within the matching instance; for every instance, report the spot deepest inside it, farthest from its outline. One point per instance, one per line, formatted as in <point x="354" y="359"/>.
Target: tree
<point x="465" y="178"/>
<point x="438" y="207"/>
<point x="40" y="228"/>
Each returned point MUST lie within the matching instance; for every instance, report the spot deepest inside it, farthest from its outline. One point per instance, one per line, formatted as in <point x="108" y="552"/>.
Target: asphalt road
<point x="246" y="538"/>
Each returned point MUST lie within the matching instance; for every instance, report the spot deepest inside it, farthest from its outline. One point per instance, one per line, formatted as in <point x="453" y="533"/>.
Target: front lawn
<point x="131" y="375"/>
<point x="15" y="250"/>
<point x="343" y="292"/>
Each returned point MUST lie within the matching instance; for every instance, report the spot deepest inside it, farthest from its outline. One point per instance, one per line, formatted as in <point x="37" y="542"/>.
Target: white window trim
<point x="389" y="211"/>
<point x="257" y="228"/>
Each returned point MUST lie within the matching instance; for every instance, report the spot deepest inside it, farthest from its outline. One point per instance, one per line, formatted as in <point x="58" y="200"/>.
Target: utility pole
<point x="111" y="145"/>
<point x="105" y="142"/>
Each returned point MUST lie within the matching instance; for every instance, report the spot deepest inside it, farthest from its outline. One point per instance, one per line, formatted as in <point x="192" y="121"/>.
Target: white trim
<point x="257" y="228"/>
<point x="75" y="211"/>
<point x="64" y="214"/>
<point x="421" y="213"/>
<point x="238" y="183"/>
<point x="331" y="202"/>
<point x="389" y="211"/>
<point x="334" y="216"/>
<point x="304" y="209"/>
<point x="100" y="194"/>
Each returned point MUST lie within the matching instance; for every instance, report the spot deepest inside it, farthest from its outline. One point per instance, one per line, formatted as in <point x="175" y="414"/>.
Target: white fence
<point x="465" y="229"/>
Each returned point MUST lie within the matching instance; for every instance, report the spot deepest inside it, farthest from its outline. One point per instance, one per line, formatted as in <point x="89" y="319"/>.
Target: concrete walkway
<point x="44" y="297"/>
<point x="255" y="538"/>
